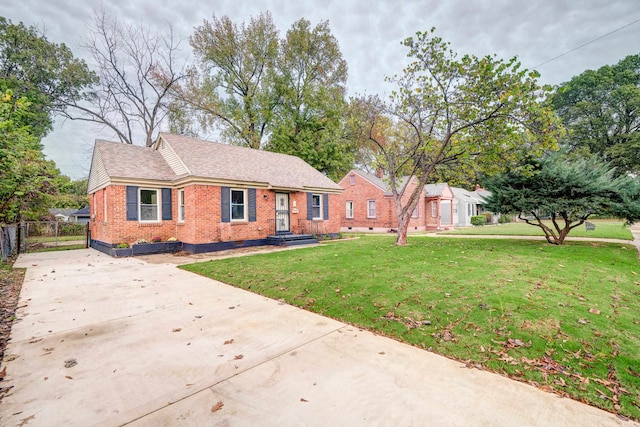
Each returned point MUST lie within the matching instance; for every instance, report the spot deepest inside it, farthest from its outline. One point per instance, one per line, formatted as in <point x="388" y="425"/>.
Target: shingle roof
<point x="482" y="195"/>
<point x="435" y="189"/>
<point x="215" y="160"/>
<point x="81" y="212"/>
<point x="132" y="161"/>
<point x="463" y="194"/>
<point x="211" y="160"/>
<point x="380" y="182"/>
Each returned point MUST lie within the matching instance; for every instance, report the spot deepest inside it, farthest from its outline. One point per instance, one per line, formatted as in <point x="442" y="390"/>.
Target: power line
<point x="587" y="43"/>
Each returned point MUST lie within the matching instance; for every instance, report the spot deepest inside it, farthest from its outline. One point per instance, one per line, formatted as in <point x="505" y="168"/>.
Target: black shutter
<point x="225" y="204"/>
<point x="325" y="206"/>
<point x="309" y="206"/>
<point x="252" y="204"/>
<point x="132" y="203"/>
<point x="166" y="204"/>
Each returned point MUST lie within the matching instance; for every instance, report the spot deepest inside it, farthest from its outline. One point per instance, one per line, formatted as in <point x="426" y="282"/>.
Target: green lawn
<point x="56" y="248"/>
<point x="604" y="229"/>
<point x="564" y="318"/>
<point x="51" y="239"/>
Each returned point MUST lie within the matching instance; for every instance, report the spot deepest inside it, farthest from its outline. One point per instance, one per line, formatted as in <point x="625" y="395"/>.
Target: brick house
<point x="439" y="207"/>
<point x="207" y="196"/>
<point x="368" y="205"/>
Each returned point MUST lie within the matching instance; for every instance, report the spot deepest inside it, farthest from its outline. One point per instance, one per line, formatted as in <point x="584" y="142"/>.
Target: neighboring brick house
<point x="439" y="207"/>
<point x="208" y="196"/>
<point x="368" y="205"/>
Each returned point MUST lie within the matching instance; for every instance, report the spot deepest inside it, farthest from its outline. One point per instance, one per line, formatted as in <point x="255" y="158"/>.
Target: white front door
<point x="445" y="212"/>
<point x="282" y="213"/>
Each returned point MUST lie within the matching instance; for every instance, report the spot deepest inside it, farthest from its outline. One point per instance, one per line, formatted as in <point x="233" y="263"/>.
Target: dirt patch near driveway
<point x="10" y="286"/>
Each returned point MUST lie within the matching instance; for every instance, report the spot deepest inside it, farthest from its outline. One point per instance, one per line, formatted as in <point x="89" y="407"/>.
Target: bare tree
<point x="137" y="68"/>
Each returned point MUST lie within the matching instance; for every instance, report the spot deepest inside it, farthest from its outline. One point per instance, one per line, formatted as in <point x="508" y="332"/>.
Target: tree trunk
<point x="403" y="226"/>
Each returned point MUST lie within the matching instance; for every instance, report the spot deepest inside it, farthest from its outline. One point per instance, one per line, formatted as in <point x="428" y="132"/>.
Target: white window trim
<point x="245" y="203"/>
<point x="158" y="205"/>
<point x="434" y="209"/>
<point x="181" y="205"/>
<point x="416" y="212"/>
<point x="349" y="207"/>
<point x="320" y="210"/>
<point x="375" y="209"/>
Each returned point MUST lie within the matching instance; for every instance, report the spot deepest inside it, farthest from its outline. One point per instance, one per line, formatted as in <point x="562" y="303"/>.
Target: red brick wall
<point x="202" y="217"/>
<point x="360" y="193"/>
<point x="114" y="227"/>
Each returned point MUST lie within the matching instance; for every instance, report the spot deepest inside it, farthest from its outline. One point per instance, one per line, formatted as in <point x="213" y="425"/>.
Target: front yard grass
<point x="563" y="318"/>
<point x="604" y="229"/>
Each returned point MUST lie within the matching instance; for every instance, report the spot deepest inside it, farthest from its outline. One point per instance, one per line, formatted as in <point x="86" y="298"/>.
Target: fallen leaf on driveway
<point x="238" y="356"/>
<point x="227" y="342"/>
<point x="4" y="372"/>
<point x="70" y="363"/>
<point x="68" y="377"/>
<point x="176" y="330"/>
<point x="302" y="399"/>
<point x="217" y="406"/>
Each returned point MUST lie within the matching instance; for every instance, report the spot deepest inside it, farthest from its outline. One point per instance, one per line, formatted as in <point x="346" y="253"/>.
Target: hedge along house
<point x="206" y="195"/>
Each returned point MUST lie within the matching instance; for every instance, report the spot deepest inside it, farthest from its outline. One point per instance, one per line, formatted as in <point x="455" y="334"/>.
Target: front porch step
<point x="291" y="239"/>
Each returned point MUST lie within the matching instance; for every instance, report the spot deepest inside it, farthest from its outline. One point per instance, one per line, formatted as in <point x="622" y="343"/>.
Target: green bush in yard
<point x="478" y="220"/>
<point x="504" y="219"/>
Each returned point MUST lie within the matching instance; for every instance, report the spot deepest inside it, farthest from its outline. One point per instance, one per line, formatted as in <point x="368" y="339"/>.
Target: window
<point x="455" y="207"/>
<point x="352" y="180"/>
<point x="104" y="204"/>
<point x="416" y="211"/>
<point x="181" y="205"/>
<point x="316" y="206"/>
<point x="434" y="209"/>
<point x="149" y="206"/>
<point x="349" y="209"/>
<point x="238" y="211"/>
<point x="469" y="210"/>
<point x="371" y="208"/>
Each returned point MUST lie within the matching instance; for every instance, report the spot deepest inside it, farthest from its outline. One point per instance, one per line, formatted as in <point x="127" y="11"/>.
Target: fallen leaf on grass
<point x="238" y="356"/>
<point x="631" y="371"/>
<point x="594" y="311"/>
<point x="217" y="406"/>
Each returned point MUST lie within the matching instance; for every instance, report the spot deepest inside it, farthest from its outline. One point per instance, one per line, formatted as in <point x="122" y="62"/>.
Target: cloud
<point x="369" y="33"/>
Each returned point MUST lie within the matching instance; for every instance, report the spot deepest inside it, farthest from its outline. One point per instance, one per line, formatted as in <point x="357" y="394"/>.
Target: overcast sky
<point x="369" y="33"/>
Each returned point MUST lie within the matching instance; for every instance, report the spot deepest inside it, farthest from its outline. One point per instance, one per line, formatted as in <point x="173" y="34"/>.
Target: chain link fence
<point x="34" y="236"/>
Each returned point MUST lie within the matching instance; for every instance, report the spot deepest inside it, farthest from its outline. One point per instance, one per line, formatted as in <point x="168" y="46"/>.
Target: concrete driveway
<point x="104" y="341"/>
